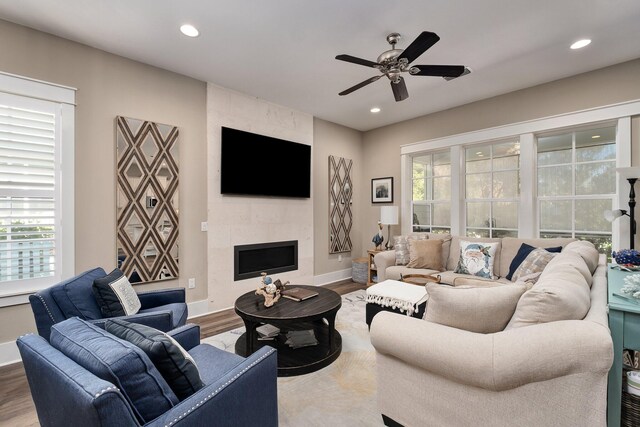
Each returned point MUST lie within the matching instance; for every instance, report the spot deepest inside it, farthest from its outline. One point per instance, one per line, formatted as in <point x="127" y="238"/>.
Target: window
<point x="492" y="188"/>
<point x="432" y="193"/>
<point x="35" y="142"/>
<point x="576" y="184"/>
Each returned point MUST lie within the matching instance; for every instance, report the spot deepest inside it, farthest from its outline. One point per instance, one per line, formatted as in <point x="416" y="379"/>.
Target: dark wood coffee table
<point x="317" y="313"/>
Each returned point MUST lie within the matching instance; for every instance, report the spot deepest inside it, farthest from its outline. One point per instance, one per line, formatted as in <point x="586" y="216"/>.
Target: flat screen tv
<point x="259" y="165"/>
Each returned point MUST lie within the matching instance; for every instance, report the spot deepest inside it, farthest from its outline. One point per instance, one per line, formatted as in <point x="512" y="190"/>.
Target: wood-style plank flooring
<point x="16" y="405"/>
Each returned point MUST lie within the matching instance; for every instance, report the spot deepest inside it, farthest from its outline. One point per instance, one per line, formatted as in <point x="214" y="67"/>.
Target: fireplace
<point x="275" y="257"/>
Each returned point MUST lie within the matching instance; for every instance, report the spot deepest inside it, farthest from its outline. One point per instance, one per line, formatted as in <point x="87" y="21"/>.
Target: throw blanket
<point x="399" y="295"/>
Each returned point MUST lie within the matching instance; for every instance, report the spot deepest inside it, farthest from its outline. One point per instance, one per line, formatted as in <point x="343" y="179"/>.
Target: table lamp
<point x="389" y="216"/>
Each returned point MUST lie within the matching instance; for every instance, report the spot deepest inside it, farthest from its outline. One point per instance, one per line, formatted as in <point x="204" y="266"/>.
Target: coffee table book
<point x="298" y="294"/>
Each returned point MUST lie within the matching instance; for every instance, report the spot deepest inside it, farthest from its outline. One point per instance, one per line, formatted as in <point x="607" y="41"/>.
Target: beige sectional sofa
<point x="547" y="367"/>
<point x="387" y="269"/>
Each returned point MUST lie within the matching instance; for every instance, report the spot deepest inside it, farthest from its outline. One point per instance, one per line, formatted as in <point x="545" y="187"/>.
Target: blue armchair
<point x="163" y="309"/>
<point x="238" y="391"/>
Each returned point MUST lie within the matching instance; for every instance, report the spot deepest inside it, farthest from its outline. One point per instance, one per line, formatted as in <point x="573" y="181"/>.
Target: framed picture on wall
<point x="382" y="190"/>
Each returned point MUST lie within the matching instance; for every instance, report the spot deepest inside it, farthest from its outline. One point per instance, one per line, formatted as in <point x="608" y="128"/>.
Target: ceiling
<point x="283" y="50"/>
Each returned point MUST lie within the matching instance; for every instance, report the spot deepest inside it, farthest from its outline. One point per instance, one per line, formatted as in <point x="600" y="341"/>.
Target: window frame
<point x="620" y="114"/>
<point x="59" y="100"/>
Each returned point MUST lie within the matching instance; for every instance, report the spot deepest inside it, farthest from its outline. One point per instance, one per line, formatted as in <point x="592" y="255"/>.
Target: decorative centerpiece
<point x="271" y="291"/>
<point x="631" y="286"/>
<point x="627" y="257"/>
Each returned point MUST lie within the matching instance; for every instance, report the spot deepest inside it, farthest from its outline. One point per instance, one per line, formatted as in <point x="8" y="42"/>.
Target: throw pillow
<point x="477" y="258"/>
<point x="535" y="262"/>
<point x="425" y="254"/>
<point x="484" y="310"/>
<point x="522" y="254"/>
<point x="401" y="247"/>
<point x="176" y="366"/>
<point x="115" y="295"/>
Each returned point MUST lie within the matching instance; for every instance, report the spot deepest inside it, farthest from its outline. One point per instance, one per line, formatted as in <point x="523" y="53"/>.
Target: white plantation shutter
<point x="28" y="202"/>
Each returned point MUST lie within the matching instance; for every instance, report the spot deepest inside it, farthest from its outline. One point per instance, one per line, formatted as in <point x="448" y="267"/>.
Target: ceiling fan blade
<point x="359" y="85"/>
<point x="400" y="90"/>
<point x="359" y="61"/>
<point x="439" y="70"/>
<point x="424" y="41"/>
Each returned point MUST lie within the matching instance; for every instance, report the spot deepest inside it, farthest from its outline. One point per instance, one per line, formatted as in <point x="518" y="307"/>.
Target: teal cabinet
<point x="624" y="323"/>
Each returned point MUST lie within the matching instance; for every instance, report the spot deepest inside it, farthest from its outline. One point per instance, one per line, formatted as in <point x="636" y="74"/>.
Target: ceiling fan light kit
<point x="393" y="62"/>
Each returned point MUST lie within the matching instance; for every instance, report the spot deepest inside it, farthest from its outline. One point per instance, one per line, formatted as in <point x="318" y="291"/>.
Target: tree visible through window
<point x="492" y="183"/>
<point x="576" y="184"/>
<point x="432" y="193"/>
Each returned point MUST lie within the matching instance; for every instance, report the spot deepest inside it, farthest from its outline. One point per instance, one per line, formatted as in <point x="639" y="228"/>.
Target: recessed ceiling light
<point x="479" y="153"/>
<point x="189" y="30"/>
<point x="375" y="110"/>
<point x="580" y="44"/>
<point x="595" y="136"/>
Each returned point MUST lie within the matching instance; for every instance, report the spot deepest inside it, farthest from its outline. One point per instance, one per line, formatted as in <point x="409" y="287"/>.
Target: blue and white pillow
<point x="476" y="258"/>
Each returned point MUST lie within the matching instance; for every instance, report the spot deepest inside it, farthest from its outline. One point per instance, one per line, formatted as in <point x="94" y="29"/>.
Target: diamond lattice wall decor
<point x="340" y="195"/>
<point x="147" y="199"/>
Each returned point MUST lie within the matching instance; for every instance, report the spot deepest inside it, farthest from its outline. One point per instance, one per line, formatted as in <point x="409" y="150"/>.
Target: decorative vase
<point x="627" y="256"/>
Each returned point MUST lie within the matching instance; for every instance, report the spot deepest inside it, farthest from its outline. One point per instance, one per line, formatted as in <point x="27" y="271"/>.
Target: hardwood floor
<point x="16" y="405"/>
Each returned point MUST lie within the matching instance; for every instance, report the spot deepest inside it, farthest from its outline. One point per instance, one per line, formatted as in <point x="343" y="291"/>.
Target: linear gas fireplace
<point x="275" y="257"/>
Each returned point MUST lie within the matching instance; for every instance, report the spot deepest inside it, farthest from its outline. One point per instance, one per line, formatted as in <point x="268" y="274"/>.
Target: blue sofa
<point x="164" y="309"/>
<point x="71" y="381"/>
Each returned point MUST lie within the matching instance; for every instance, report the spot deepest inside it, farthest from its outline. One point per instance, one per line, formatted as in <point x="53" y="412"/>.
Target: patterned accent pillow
<point x="476" y="258"/>
<point x="535" y="262"/>
<point x="115" y="295"/>
<point x="401" y="246"/>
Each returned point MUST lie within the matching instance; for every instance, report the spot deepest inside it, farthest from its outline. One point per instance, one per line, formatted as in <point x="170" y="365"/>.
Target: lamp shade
<point x="389" y="215"/>
<point x="612" y="215"/>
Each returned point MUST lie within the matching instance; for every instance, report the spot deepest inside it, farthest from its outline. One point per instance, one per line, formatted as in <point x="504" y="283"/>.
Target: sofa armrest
<point x="188" y="336"/>
<point x="150" y="299"/>
<point x="161" y="320"/>
<point x="499" y="361"/>
<point x="250" y="385"/>
<point x="382" y="260"/>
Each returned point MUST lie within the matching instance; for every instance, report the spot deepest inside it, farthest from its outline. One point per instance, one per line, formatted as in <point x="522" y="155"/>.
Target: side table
<point x="372" y="271"/>
<point x="624" y="323"/>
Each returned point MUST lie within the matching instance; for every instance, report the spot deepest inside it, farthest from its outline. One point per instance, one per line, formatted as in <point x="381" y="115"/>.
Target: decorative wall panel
<point x="340" y="200"/>
<point x="147" y="200"/>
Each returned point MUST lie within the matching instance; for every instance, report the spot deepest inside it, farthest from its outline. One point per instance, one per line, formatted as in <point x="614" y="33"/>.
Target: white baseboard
<point x="198" y="308"/>
<point x="9" y="353"/>
<point x="334" y="276"/>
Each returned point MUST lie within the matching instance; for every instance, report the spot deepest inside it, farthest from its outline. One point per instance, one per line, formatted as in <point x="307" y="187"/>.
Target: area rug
<point x="343" y="393"/>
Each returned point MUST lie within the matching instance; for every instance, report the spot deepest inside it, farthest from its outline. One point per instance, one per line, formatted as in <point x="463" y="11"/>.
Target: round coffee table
<point x="317" y="313"/>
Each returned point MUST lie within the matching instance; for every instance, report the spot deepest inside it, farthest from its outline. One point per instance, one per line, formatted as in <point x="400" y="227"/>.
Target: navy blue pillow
<point x="117" y="361"/>
<point x="522" y="254"/>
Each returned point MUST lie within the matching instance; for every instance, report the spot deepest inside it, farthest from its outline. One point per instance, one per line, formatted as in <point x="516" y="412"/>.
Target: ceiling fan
<point x="393" y="62"/>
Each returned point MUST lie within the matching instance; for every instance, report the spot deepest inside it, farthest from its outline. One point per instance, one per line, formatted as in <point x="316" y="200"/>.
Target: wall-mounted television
<point x="258" y="165"/>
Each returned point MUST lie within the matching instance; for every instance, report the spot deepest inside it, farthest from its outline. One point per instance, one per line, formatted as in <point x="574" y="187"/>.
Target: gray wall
<point x="602" y="87"/>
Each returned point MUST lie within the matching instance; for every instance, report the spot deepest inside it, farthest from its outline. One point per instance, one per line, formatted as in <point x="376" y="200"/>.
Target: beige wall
<point x="108" y="86"/>
<point x="330" y="139"/>
<point x="602" y="87"/>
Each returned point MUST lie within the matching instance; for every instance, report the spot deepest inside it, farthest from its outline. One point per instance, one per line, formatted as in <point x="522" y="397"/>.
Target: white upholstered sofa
<point x="547" y="367"/>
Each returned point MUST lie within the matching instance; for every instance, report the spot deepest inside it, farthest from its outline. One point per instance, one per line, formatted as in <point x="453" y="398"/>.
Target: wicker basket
<point x="630" y="410"/>
<point x="359" y="267"/>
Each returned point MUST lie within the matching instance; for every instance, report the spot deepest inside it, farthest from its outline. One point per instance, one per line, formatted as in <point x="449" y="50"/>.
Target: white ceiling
<point x="283" y="50"/>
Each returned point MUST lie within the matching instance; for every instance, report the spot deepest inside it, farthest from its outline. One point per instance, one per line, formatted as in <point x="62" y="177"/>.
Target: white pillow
<point x="477" y="258"/>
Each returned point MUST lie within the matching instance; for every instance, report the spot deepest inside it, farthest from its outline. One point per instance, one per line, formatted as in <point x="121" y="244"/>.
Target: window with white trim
<point x="36" y="139"/>
<point x="576" y="184"/>
<point x="492" y="189"/>
<point x="431" y="204"/>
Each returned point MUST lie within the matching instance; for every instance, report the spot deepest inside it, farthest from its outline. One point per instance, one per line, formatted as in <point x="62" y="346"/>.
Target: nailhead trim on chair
<point x="101" y="392"/>
<point x="46" y="307"/>
<point x="217" y="390"/>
